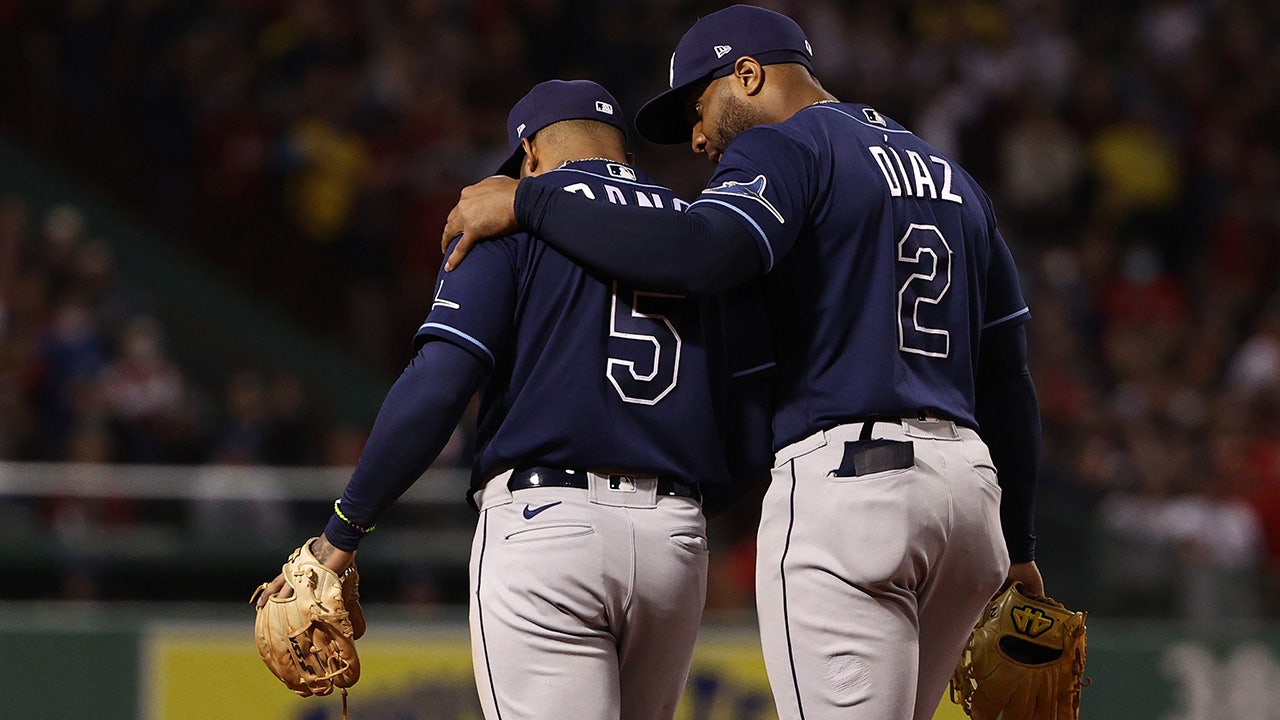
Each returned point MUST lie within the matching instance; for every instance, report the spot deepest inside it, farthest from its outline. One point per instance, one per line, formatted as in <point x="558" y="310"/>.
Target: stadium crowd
<point x="311" y="148"/>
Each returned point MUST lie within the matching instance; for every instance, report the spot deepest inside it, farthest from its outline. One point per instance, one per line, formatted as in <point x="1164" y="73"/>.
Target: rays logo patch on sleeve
<point x="753" y="190"/>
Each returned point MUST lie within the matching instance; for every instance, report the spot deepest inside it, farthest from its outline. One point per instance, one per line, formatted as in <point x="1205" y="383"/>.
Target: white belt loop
<point x="931" y="428"/>
<point x="495" y="492"/>
<point x="800" y="447"/>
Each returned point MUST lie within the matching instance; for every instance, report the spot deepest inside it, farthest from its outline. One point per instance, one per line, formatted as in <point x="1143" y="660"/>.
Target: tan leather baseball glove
<point x="1025" y="658"/>
<point x="308" y="639"/>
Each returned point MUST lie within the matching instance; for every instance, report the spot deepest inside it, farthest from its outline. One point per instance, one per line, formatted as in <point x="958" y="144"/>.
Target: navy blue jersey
<point x="587" y="372"/>
<point x="884" y="266"/>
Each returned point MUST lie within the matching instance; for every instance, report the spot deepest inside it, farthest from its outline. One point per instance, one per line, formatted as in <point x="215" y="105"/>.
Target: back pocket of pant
<point x="988" y="473"/>
<point x="691" y="539"/>
<point x="549" y="532"/>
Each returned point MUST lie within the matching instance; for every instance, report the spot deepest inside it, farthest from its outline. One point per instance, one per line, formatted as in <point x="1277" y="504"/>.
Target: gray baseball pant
<point x="868" y="586"/>
<point x="588" y="609"/>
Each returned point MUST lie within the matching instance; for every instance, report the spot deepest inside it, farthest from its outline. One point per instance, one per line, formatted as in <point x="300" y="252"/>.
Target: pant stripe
<point x="782" y="572"/>
<point x="484" y="542"/>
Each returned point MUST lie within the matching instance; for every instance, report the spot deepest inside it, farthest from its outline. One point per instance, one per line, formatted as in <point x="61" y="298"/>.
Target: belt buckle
<point x="622" y="483"/>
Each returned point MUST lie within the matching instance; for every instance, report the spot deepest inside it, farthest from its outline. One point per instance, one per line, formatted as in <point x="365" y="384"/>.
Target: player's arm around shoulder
<point x="484" y="210"/>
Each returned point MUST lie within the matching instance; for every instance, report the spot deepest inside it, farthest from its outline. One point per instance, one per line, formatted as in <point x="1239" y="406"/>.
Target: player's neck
<point x="583" y="151"/>
<point x="806" y="97"/>
<point x="799" y="93"/>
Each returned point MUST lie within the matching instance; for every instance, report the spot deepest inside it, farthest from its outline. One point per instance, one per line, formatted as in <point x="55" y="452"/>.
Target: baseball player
<point x="901" y="383"/>
<point x="600" y="431"/>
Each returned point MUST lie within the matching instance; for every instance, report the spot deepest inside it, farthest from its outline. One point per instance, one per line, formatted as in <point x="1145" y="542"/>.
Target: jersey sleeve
<point x="474" y="303"/>
<point x="1005" y="303"/>
<point x="765" y="181"/>
<point x="748" y="337"/>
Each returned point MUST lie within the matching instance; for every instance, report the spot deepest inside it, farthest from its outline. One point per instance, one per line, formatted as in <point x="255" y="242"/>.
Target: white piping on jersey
<point x="459" y="333"/>
<point x="440" y="302"/>
<point x="864" y="122"/>
<point x="610" y="178"/>
<point x="752" y="371"/>
<point x="1006" y="318"/>
<point x="749" y="219"/>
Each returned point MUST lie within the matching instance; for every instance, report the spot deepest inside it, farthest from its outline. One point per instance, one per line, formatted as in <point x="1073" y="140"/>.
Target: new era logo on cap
<point x="604" y="107"/>
<point x="520" y="130"/>
<point x="722" y="50"/>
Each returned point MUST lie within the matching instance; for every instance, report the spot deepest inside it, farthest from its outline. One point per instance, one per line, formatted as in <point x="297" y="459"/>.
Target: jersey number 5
<point x="924" y="258"/>
<point x="641" y="331"/>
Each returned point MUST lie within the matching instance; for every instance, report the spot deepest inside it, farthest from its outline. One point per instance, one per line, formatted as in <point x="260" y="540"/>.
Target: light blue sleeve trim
<point x="1006" y="318"/>
<point x="754" y="370"/>
<point x="464" y="336"/>
<point x="764" y="238"/>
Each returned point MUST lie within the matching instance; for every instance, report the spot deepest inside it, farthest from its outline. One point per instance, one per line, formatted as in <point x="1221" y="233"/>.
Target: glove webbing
<point x="261" y="588"/>
<point x="332" y="673"/>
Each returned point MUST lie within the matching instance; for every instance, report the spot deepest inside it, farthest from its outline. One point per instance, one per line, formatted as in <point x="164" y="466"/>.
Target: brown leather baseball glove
<point x="1025" y="658"/>
<point x="308" y="639"/>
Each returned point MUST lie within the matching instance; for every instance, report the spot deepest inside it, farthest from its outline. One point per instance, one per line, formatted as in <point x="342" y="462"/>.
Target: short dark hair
<point x="560" y="131"/>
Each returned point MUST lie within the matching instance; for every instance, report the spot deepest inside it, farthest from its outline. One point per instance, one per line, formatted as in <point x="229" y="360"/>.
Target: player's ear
<point x="748" y="73"/>
<point x="530" y="164"/>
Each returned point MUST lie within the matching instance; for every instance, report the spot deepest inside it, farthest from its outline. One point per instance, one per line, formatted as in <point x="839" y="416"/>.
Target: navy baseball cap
<point x="551" y="102"/>
<point x="708" y="51"/>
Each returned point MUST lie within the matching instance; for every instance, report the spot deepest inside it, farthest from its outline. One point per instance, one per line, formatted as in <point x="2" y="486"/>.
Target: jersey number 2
<point x="638" y="318"/>
<point x="924" y="257"/>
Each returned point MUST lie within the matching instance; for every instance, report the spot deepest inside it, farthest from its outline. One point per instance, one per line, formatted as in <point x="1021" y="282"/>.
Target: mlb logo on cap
<point x="551" y="102"/>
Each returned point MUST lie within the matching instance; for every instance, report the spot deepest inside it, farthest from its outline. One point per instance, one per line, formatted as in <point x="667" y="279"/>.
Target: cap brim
<point x="663" y="120"/>
<point x="511" y="166"/>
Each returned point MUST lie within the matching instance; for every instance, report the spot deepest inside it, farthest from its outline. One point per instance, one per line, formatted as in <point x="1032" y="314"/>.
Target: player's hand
<point x="333" y="558"/>
<point x="1029" y="575"/>
<point x="484" y="210"/>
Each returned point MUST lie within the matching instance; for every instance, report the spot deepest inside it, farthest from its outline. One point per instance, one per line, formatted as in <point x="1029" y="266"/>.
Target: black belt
<point x="534" y="477"/>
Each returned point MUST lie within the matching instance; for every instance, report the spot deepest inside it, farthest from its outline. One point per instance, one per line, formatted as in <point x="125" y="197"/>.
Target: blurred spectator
<point x="244" y="425"/>
<point x="290" y="431"/>
<point x="1042" y="167"/>
<point x="145" y="392"/>
<point x="1255" y="368"/>
<point x="72" y="353"/>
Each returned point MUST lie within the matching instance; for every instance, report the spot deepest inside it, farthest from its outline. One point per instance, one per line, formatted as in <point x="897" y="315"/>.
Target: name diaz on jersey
<point x="920" y="180"/>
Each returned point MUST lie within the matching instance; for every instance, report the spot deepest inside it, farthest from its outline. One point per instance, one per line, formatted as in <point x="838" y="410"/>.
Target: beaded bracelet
<point x="337" y="510"/>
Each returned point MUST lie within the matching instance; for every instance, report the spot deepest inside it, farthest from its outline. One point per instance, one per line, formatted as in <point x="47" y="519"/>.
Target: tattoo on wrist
<point x="322" y="551"/>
